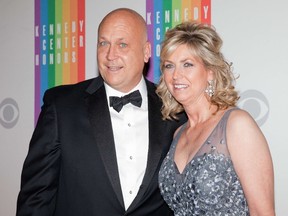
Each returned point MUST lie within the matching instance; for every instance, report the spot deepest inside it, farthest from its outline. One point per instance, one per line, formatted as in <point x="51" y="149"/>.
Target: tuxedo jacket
<point x="71" y="166"/>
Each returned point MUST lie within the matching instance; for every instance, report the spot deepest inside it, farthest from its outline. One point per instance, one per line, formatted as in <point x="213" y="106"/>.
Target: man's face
<point x="122" y="50"/>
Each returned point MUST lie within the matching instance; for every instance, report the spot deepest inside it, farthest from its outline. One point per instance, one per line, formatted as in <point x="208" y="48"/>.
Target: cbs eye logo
<point x="9" y="113"/>
<point x="256" y="104"/>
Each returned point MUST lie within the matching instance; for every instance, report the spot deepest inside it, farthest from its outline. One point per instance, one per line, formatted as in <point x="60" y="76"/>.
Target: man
<point x="89" y="158"/>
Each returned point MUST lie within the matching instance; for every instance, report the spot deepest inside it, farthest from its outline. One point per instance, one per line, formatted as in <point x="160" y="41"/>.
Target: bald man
<point x="98" y="144"/>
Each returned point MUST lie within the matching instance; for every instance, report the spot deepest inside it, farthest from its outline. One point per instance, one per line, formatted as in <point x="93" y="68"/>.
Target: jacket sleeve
<point x="40" y="174"/>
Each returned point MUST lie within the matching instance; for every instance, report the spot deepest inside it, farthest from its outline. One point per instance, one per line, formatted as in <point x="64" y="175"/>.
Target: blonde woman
<point x="219" y="162"/>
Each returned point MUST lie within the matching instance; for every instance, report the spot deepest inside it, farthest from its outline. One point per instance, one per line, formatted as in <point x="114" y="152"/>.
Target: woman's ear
<point x="210" y="75"/>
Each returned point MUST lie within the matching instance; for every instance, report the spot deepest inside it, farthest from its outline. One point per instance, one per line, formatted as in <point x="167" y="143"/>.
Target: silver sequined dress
<point x="208" y="184"/>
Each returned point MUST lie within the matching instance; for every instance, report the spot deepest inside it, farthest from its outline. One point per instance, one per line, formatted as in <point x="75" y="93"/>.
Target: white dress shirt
<point x="130" y="129"/>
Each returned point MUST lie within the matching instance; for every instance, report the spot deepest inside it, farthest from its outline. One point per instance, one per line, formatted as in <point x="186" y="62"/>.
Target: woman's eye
<point x="187" y="64"/>
<point x="168" y="66"/>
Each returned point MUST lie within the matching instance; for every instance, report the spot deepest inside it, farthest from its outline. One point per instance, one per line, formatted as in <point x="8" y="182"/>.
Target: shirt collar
<point x="141" y="86"/>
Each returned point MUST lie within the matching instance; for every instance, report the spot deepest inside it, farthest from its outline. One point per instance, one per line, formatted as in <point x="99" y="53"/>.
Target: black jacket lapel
<point x="101" y="122"/>
<point x="156" y="128"/>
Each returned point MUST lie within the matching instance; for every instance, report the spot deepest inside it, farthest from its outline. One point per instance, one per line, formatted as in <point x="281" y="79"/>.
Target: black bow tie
<point x="118" y="102"/>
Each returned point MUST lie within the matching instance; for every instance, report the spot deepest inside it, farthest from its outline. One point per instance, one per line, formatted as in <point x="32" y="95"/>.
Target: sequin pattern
<point x="209" y="184"/>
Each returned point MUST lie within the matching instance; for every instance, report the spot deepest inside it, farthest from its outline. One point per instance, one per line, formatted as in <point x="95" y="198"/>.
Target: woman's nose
<point x="176" y="74"/>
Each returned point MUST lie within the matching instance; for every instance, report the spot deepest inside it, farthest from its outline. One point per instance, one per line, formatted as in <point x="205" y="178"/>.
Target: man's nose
<point x="112" y="52"/>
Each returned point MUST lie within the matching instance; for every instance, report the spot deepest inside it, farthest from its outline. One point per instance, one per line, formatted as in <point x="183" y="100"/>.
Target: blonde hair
<point x="205" y="44"/>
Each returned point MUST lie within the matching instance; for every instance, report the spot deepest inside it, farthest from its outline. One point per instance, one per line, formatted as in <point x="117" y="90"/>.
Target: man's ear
<point x="147" y="51"/>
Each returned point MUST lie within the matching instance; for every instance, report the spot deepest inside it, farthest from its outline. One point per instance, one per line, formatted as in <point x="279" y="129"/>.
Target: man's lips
<point x="114" y="68"/>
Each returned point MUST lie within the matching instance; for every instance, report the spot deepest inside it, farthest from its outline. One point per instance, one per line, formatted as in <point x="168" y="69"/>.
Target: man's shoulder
<point x="70" y="91"/>
<point x="151" y="90"/>
<point x="150" y="85"/>
<point x="69" y="87"/>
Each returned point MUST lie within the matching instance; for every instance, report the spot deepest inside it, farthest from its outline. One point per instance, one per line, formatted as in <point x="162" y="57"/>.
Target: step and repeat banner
<point x="164" y="14"/>
<point x="45" y="43"/>
<point x="59" y="45"/>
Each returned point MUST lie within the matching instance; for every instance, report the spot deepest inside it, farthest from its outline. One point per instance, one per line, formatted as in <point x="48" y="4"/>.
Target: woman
<point x="219" y="161"/>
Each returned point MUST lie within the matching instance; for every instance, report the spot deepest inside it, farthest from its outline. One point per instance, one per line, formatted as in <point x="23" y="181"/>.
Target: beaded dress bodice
<point x="208" y="184"/>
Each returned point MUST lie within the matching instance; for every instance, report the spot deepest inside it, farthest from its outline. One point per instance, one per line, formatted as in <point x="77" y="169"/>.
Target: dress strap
<point x="178" y="134"/>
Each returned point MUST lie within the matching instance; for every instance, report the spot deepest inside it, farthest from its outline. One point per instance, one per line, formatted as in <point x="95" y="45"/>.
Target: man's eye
<point x="123" y="45"/>
<point x="102" y="43"/>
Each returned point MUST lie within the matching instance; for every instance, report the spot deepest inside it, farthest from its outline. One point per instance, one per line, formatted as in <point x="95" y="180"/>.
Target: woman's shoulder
<point x="241" y="124"/>
<point x="238" y="117"/>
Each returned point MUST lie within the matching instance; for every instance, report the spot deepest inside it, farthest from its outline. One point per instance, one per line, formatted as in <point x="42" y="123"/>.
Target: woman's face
<point x="185" y="76"/>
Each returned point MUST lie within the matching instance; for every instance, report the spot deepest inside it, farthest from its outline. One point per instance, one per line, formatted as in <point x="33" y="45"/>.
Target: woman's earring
<point x="170" y="96"/>
<point x="210" y="90"/>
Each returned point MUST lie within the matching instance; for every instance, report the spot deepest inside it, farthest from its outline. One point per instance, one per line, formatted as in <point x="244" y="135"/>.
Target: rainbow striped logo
<point x="164" y="14"/>
<point x="59" y="45"/>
